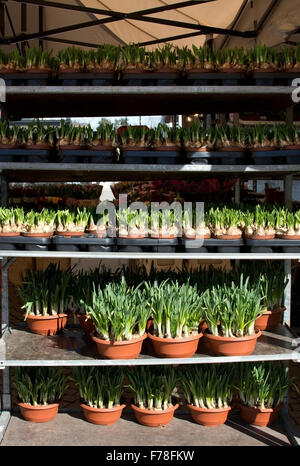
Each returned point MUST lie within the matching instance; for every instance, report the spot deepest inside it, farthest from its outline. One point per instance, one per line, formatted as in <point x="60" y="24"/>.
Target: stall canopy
<point x="89" y="23"/>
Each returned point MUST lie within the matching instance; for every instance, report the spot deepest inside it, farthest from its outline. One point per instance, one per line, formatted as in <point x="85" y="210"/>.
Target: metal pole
<point x="288" y="190"/>
<point x="237" y="191"/>
<point x="287" y="292"/>
<point x="6" y="398"/>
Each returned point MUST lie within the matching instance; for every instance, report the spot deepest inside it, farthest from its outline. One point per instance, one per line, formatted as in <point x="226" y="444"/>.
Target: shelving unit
<point x="17" y="346"/>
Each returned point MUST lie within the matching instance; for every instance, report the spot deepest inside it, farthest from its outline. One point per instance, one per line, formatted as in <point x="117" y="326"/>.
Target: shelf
<point x="73" y="348"/>
<point x="183" y="434"/>
<point x="76" y="101"/>
<point x="42" y="172"/>
<point x="151" y="255"/>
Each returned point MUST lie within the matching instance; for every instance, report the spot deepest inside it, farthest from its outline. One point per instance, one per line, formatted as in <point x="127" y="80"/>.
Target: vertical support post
<point x="6" y="396"/>
<point x="287" y="292"/>
<point x="41" y="25"/>
<point x="237" y="191"/>
<point x="3" y="183"/>
<point x="222" y="118"/>
<point x="289" y="115"/>
<point x="2" y="20"/>
<point x="236" y="119"/>
<point x="23" y="24"/>
<point x="288" y="190"/>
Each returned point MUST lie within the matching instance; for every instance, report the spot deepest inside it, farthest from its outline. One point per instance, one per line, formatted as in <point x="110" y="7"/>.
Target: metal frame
<point x="251" y="172"/>
<point x="113" y="16"/>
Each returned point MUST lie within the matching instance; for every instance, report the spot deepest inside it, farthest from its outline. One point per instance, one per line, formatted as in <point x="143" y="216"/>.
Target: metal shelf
<point x="74" y="348"/>
<point x="150" y="255"/>
<point x="57" y="101"/>
<point x="42" y="172"/>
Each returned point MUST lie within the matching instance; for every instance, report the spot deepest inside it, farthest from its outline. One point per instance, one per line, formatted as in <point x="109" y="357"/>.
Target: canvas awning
<point x="58" y="24"/>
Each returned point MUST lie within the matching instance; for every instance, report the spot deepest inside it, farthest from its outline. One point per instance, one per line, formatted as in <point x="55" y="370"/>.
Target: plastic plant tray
<point x="149" y="78"/>
<point x="24" y="155"/>
<point x="273" y="245"/>
<point x="83" y="243"/>
<point x="86" y="79"/>
<point x="26" y="79"/>
<point x="276" y="157"/>
<point x="212" y="244"/>
<point x="151" y="157"/>
<point x="85" y="156"/>
<point x="24" y="243"/>
<point x="147" y="244"/>
<point x="216" y="158"/>
<point x="216" y="78"/>
<point x="275" y="78"/>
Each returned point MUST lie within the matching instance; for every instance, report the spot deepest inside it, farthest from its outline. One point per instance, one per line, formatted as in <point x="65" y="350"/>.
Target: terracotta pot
<point x="259" y="416"/>
<point x="198" y="149"/>
<point x="103" y="417"/>
<point x="269" y="320"/>
<point x="37" y="235"/>
<point x="10" y="233"/>
<point x="170" y="236"/>
<point x="196" y="237"/>
<point x="71" y="147"/>
<point x="175" y="347"/>
<point x="258" y="237"/>
<point x="294" y="237"/>
<point x="38" y="413"/>
<point x="69" y="233"/>
<point x="86" y="325"/>
<point x="167" y="148"/>
<point x="229" y="236"/>
<point x="129" y="349"/>
<point x="209" y="417"/>
<point x="263" y="149"/>
<point x="231" y="149"/>
<point x="47" y="325"/>
<point x="154" y="418"/>
<point x="226" y="346"/>
<point x="100" y="148"/>
<point x="38" y="146"/>
<point x="141" y="236"/>
<point x="292" y="147"/>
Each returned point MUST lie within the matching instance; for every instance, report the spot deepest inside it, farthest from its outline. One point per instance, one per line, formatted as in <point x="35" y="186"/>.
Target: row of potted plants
<point x="209" y="392"/>
<point x="223" y="138"/>
<point x="173" y="314"/>
<point x="134" y="58"/>
<point x="260" y="222"/>
<point x="57" y="194"/>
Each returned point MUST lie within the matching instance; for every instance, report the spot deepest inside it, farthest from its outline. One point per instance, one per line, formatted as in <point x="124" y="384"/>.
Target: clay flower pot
<point x="10" y="233"/>
<point x="259" y="237"/>
<point x="47" y="325"/>
<point x="86" y="325"/>
<point x="175" y="347"/>
<point x="102" y="416"/>
<point x="129" y="349"/>
<point x="229" y="237"/>
<point x="209" y="417"/>
<point x="261" y="417"/>
<point x="38" y="413"/>
<point x="37" y="235"/>
<point x="227" y="346"/>
<point x="154" y="418"/>
<point x="269" y="320"/>
<point x="287" y="237"/>
<point x="69" y="233"/>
